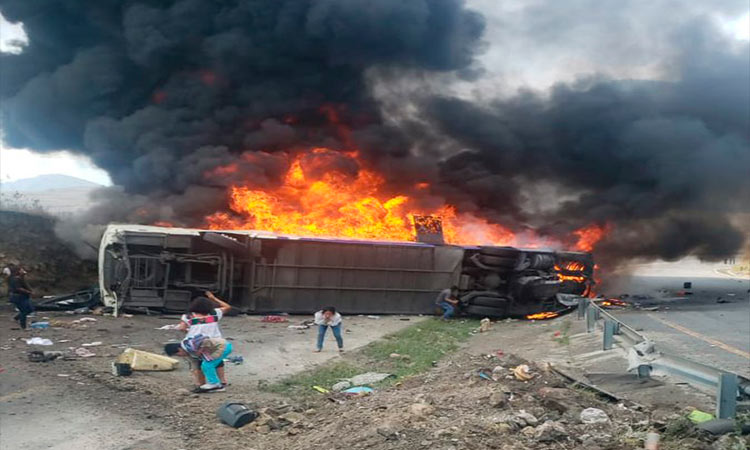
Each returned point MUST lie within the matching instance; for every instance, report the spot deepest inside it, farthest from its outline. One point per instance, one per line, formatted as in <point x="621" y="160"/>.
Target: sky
<point x="537" y="69"/>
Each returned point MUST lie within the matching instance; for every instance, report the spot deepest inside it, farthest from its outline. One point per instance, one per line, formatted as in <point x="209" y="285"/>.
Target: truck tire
<point x="507" y="252"/>
<point x="485" y="311"/>
<point x="498" y="261"/>
<point x="492" y="302"/>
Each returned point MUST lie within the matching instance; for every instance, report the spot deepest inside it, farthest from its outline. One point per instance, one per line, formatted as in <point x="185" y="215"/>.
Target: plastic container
<point x="40" y="325"/>
<point x="236" y="414"/>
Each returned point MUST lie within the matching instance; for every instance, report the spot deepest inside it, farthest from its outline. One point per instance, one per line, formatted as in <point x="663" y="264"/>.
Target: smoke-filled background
<point x="541" y="115"/>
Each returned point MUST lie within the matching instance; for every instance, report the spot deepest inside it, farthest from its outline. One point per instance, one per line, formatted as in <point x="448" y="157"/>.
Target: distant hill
<point x="45" y="183"/>
<point x="56" y="194"/>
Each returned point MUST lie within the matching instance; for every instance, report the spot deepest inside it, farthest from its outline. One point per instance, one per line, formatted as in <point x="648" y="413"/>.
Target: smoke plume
<point x="164" y="94"/>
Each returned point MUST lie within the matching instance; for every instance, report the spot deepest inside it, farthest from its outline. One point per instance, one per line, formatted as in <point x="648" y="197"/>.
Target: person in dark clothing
<point x="20" y="295"/>
<point x="448" y="300"/>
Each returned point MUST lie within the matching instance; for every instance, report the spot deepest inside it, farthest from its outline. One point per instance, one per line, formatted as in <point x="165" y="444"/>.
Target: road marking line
<point x="697" y="335"/>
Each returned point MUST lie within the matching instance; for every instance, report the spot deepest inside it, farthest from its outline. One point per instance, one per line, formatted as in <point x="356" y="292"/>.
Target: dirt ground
<point x="78" y="404"/>
<point x="64" y="397"/>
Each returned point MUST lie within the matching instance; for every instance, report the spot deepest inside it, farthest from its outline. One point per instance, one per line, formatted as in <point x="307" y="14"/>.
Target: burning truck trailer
<point x="261" y="272"/>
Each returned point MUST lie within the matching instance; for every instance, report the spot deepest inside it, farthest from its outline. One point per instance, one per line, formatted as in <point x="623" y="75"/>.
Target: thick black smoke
<point x="666" y="162"/>
<point x="161" y="93"/>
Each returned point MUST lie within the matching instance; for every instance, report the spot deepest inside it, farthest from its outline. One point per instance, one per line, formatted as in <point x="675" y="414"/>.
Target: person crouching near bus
<point x="328" y="317"/>
<point x="447" y="299"/>
<point x="210" y="351"/>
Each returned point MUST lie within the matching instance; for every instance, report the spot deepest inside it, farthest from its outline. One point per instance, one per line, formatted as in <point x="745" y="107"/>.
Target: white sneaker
<point x="212" y="388"/>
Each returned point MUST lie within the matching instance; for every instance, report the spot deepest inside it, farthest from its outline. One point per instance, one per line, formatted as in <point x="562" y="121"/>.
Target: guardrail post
<point x="590" y="318"/>
<point x="609" y="334"/>
<point x="726" y="396"/>
<point x="582" y="304"/>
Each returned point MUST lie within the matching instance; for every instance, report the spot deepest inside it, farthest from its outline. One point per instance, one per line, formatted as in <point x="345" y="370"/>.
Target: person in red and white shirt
<point x="204" y="314"/>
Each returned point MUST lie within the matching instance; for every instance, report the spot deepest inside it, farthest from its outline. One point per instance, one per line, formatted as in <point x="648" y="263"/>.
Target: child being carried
<point x="211" y="351"/>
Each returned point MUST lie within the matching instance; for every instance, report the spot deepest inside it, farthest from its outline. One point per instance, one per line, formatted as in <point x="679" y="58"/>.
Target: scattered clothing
<point x="38" y="341"/>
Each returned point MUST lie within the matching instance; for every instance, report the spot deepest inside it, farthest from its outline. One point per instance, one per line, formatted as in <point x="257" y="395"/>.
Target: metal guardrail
<point x="728" y="386"/>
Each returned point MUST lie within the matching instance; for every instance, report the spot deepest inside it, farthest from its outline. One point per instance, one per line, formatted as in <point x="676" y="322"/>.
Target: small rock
<point x="389" y="433"/>
<point x="550" y="431"/>
<point x="528" y="431"/>
<point x="523" y="419"/>
<point x="503" y="428"/>
<point x="556" y="393"/>
<point x="292" y="417"/>
<point x="421" y="409"/>
<point x="593" y="415"/>
<point x="497" y="400"/>
<point x="394" y="356"/>
<point x="340" y="386"/>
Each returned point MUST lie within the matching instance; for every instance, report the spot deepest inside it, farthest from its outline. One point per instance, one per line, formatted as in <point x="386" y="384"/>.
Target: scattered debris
<point x="321" y="389"/>
<point x="523" y="373"/>
<point x="593" y="415"/>
<point x="485" y="374"/>
<point x="63" y="375"/>
<point x="369" y="378"/>
<point x="274" y="319"/>
<point x="236" y="415"/>
<point x="298" y="327"/>
<point x="696" y="416"/>
<point x="40" y="325"/>
<point x="83" y="352"/>
<point x="373" y="317"/>
<point x="39" y="356"/>
<point x="174" y="326"/>
<point x="235" y="359"/>
<point x="39" y="341"/>
<point x="92" y="344"/>
<point x="146" y="361"/>
<point x="484" y="325"/>
<point x="121" y="369"/>
<point x="358" y="390"/>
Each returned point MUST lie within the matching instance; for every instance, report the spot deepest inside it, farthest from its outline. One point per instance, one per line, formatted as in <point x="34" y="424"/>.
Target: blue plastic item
<point x="40" y="325"/>
<point x="358" y="390"/>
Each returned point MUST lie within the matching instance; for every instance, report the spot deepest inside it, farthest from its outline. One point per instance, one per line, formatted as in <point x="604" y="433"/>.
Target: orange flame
<point x="337" y="204"/>
<point x="542" y="315"/>
<point x="589" y="236"/>
<point x="571" y="266"/>
<point x="317" y="200"/>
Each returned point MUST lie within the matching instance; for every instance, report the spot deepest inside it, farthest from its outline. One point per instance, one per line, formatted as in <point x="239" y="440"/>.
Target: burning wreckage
<point x="262" y="272"/>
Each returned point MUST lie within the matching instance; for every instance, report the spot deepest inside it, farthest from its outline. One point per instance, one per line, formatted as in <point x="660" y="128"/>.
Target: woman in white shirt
<point x="328" y="317"/>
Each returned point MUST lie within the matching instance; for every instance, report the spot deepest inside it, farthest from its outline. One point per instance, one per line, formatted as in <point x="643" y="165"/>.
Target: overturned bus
<point x="262" y="272"/>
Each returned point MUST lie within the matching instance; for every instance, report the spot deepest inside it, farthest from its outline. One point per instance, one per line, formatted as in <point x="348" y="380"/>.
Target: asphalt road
<point x="699" y="326"/>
